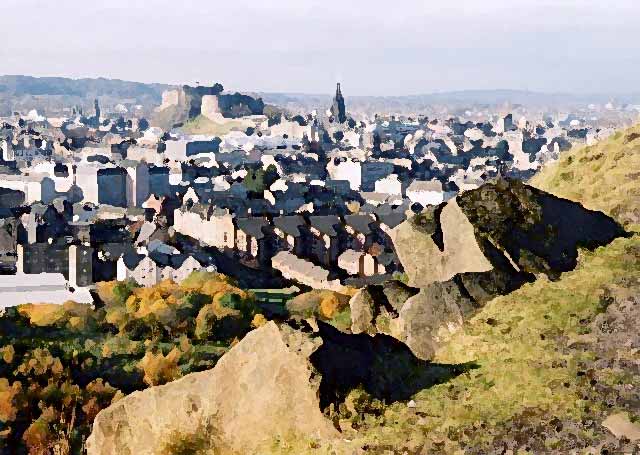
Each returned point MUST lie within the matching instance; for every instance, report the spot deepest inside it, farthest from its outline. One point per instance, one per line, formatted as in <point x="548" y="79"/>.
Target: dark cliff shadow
<point x="384" y="367"/>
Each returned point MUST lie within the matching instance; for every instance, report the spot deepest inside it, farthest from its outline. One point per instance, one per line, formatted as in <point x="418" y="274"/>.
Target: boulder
<point x="484" y="243"/>
<point x="363" y="307"/>
<point x="375" y="306"/>
<point x="622" y="427"/>
<point x="262" y="389"/>
<point x="438" y="245"/>
<point x="417" y="317"/>
<point x="426" y="318"/>
<point x="272" y="386"/>
<point x="498" y="237"/>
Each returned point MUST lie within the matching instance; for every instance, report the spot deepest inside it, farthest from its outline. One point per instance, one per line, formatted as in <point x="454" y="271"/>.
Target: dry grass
<point x="603" y="177"/>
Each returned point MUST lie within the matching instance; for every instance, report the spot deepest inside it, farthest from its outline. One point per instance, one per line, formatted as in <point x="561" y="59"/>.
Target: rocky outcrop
<point x="363" y="312"/>
<point x="461" y="254"/>
<point x="499" y="236"/>
<point x="374" y="306"/>
<point x="438" y="245"/>
<point x="427" y="318"/>
<point x="539" y="233"/>
<point x="261" y="389"/>
<point x="417" y="317"/>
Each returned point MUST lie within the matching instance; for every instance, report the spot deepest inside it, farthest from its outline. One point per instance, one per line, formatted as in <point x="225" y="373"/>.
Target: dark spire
<point x="338" y="109"/>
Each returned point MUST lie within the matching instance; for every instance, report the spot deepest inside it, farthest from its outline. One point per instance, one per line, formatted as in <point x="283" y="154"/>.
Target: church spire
<point x="338" y="110"/>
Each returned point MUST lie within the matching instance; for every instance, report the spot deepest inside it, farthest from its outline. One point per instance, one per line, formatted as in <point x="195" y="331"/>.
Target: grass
<point x="203" y="125"/>
<point x="527" y="378"/>
<point x="522" y="370"/>
<point x="602" y="177"/>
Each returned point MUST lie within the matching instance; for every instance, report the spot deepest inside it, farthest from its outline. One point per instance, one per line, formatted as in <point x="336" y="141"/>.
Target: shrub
<point x="160" y="369"/>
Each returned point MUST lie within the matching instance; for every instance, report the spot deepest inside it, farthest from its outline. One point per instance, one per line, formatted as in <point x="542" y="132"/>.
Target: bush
<point x="61" y="364"/>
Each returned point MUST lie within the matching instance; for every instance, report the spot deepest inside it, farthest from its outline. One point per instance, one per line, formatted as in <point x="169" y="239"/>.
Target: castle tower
<point x="337" y="109"/>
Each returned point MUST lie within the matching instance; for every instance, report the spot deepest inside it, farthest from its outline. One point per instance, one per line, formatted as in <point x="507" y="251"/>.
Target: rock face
<point x="262" y="388"/>
<point x="417" y="317"/>
<point x="439" y="246"/>
<point x="424" y="319"/>
<point x="499" y="236"/>
<point x="271" y="386"/>
<point x="461" y="254"/>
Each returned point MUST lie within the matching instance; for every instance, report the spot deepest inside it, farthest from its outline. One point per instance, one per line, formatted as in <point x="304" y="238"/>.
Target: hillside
<point x="601" y="177"/>
<point x="555" y="369"/>
<point x="51" y="95"/>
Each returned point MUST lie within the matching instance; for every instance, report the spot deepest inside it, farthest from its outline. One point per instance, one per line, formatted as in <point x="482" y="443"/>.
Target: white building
<point x="20" y="289"/>
<point x="390" y="185"/>
<point x="148" y="273"/>
<point x="348" y="170"/>
<point x="428" y="192"/>
<point x="213" y="227"/>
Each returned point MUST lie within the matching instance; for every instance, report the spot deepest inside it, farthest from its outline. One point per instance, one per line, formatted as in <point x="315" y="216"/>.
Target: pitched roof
<point x="289" y="224"/>
<point x="252" y="226"/>
<point x="361" y="223"/>
<point x="132" y="259"/>
<point x="325" y="223"/>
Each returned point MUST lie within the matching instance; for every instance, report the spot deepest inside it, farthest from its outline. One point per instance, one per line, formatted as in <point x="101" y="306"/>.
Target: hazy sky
<point x="374" y="47"/>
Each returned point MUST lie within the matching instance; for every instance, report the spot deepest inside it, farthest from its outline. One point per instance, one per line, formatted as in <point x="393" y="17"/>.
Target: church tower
<point x="337" y="108"/>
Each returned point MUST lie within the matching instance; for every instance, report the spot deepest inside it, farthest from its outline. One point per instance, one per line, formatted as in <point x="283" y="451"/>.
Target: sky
<point x="373" y="47"/>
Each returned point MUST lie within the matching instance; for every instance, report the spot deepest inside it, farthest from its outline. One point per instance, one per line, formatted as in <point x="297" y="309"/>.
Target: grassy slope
<point x="203" y="125"/>
<point x="527" y="378"/>
<point x="602" y="177"/>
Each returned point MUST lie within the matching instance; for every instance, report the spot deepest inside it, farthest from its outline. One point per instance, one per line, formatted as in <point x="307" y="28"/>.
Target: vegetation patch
<point x="61" y="364"/>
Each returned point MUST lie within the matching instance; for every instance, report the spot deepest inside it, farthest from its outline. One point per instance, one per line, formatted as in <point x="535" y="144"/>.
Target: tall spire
<point x="338" y="109"/>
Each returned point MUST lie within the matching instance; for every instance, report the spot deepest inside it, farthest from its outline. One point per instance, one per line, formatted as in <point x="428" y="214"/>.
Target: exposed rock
<point x="536" y="231"/>
<point x="362" y="307"/>
<point x="620" y="426"/>
<point x="397" y="293"/>
<point x="375" y="307"/>
<point x="498" y="237"/>
<point x="486" y="242"/>
<point x="417" y="317"/>
<point x="261" y="389"/>
<point x="427" y="260"/>
<point x="272" y="385"/>
<point x="426" y="317"/>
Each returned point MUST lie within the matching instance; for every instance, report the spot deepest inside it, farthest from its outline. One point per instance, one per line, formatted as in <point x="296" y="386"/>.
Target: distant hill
<point x="455" y="100"/>
<point x="52" y="95"/>
<point x="602" y="177"/>
<point x="28" y="85"/>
